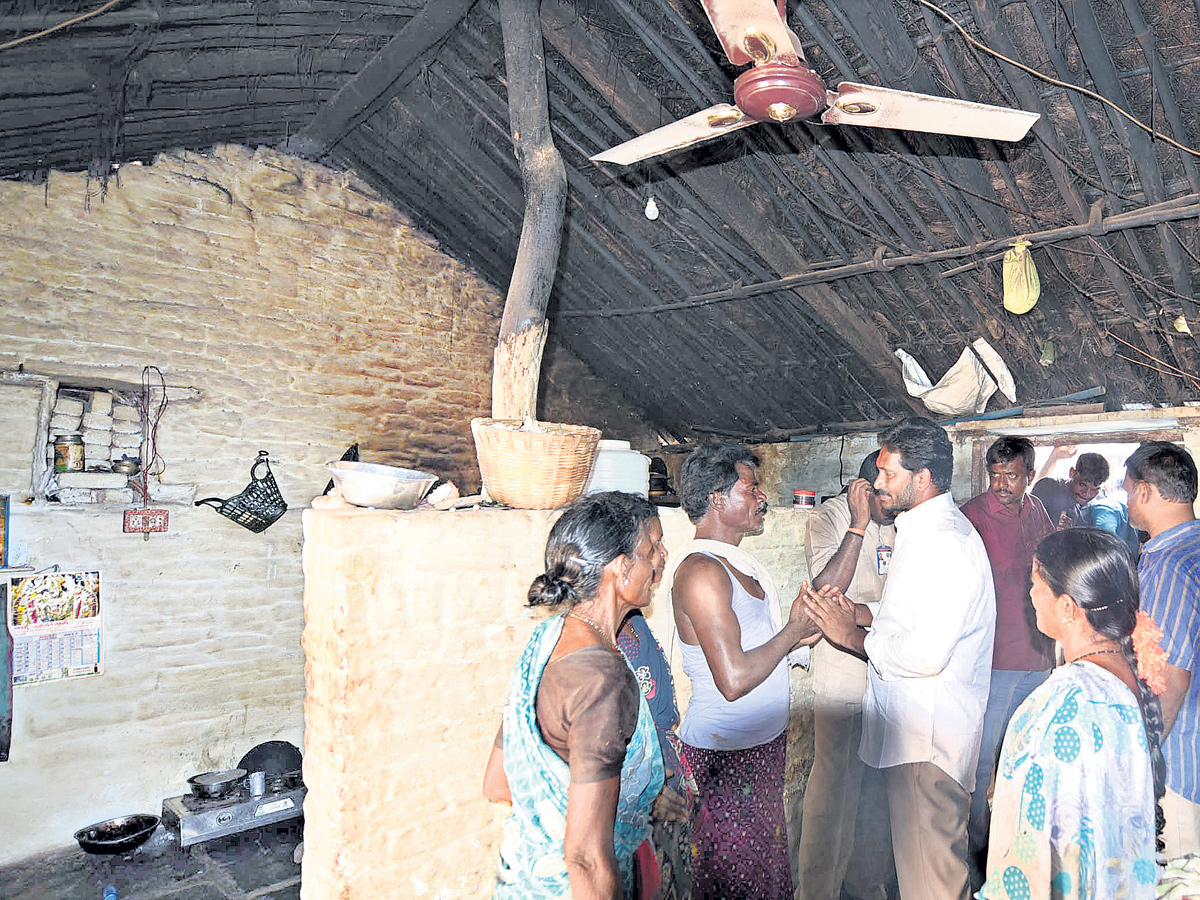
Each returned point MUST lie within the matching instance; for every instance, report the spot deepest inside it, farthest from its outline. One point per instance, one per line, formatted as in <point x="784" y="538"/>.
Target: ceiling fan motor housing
<point x="775" y="92"/>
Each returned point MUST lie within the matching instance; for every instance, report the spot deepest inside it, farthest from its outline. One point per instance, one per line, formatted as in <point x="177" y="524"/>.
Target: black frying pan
<point x="273" y="758"/>
<point x="117" y="835"/>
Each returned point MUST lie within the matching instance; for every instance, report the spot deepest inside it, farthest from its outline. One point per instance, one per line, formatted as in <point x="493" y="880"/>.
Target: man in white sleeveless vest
<point x="734" y="650"/>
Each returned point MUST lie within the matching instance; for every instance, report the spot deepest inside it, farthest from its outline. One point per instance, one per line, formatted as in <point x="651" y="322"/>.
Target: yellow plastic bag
<point x="1021" y="284"/>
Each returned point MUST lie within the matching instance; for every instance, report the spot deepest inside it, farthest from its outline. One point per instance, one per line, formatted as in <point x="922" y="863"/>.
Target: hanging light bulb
<point x="651" y="208"/>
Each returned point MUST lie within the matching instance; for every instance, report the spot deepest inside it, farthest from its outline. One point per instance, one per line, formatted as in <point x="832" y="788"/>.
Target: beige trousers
<point x="1181" y="833"/>
<point x="929" y="832"/>
<point x="845" y="812"/>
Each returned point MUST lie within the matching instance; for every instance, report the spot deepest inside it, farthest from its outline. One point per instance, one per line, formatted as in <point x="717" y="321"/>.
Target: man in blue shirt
<point x="1160" y="480"/>
<point x="1111" y="514"/>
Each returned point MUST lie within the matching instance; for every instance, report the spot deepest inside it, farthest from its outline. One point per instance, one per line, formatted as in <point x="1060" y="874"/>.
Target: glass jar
<point x="68" y="453"/>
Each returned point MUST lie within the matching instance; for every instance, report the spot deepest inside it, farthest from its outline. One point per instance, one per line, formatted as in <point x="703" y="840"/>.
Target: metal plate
<point x="273" y="758"/>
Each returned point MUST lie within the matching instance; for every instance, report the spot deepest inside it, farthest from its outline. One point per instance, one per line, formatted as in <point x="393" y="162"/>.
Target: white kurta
<point x="930" y="646"/>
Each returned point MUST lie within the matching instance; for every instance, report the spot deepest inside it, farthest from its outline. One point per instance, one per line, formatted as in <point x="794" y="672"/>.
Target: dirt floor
<point x="255" y="864"/>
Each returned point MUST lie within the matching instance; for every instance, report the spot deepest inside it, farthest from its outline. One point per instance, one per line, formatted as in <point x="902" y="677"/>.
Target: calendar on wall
<point x="55" y="622"/>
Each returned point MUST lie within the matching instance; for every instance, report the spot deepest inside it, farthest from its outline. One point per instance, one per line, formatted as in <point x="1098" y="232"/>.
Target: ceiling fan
<point x="782" y="88"/>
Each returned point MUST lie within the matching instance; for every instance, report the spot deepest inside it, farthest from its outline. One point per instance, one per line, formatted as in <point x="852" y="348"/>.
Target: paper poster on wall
<point x="55" y="623"/>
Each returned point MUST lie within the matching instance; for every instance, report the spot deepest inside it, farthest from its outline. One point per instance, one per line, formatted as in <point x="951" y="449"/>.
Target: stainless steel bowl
<point x="216" y="784"/>
<point x="383" y="487"/>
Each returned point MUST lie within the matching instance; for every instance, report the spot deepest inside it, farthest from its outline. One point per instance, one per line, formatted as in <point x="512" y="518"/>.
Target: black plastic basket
<point x="259" y="505"/>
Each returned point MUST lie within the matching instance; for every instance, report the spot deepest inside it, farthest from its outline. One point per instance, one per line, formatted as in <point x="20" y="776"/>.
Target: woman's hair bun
<point x="591" y="533"/>
<point x="558" y="585"/>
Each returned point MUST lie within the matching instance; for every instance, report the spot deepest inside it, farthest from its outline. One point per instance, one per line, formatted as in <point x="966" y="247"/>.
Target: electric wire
<point x="152" y="414"/>
<point x="979" y="45"/>
<point x="67" y="24"/>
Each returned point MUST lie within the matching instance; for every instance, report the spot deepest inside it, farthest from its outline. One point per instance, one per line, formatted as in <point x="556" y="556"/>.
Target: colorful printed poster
<point x="54" y="619"/>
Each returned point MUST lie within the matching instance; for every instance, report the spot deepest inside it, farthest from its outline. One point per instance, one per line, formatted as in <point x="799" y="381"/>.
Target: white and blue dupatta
<point x="532" y="865"/>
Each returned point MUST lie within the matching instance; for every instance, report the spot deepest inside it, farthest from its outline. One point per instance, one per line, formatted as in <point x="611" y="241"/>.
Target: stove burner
<point x="199" y="819"/>
<point x="283" y="782"/>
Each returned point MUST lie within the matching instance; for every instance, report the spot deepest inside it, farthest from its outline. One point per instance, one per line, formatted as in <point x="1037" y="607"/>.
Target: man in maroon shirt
<point x="1011" y="522"/>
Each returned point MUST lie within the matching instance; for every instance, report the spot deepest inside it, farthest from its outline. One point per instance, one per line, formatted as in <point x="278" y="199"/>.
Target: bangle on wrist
<point x="861" y="532"/>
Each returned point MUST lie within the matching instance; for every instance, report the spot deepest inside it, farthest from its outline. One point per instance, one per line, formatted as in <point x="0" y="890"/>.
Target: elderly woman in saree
<point x="577" y="754"/>
<point x="1075" y="810"/>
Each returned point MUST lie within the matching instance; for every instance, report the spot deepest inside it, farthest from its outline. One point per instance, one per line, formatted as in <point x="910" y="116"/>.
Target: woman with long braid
<point x="1075" y="812"/>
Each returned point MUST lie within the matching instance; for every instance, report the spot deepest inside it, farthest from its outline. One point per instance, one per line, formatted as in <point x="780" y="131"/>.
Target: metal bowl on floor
<point x="118" y="835"/>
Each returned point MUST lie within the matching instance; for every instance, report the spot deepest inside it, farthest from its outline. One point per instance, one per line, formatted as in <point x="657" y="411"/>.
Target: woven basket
<point x="256" y="507"/>
<point x="534" y="469"/>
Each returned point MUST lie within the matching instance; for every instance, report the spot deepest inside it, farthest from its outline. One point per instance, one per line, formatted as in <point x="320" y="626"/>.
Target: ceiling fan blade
<point x="694" y="129"/>
<point x="752" y="31"/>
<point x="876" y="107"/>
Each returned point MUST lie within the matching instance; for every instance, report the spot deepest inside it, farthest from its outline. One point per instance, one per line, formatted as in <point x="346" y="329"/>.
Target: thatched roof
<point x="788" y="263"/>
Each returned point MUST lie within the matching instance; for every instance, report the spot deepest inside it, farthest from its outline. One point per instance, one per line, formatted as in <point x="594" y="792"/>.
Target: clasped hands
<point x="829" y="611"/>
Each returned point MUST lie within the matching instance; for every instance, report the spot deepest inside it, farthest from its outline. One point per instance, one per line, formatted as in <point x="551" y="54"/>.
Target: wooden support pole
<point x="518" y="357"/>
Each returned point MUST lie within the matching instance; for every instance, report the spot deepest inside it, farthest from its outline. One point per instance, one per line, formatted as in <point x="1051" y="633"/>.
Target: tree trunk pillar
<point x="518" y="356"/>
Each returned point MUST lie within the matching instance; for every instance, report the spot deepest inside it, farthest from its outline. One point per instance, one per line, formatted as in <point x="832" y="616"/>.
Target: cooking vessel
<point x="215" y="784"/>
<point x="117" y="835"/>
<point x="383" y="487"/>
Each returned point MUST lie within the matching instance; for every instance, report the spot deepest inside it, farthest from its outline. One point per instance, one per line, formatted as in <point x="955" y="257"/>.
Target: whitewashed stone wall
<point x="302" y="314"/>
<point x="412" y="624"/>
<point x="825" y="463"/>
<point x="202" y="661"/>
<point x="289" y="309"/>
<point x="284" y="292"/>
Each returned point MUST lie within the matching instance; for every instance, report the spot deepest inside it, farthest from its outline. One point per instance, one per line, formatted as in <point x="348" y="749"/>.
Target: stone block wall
<point x="202" y="660"/>
<point x="289" y="309"/>
<point x="280" y="290"/>
<point x="412" y="624"/>
<point x="823" y="464"/>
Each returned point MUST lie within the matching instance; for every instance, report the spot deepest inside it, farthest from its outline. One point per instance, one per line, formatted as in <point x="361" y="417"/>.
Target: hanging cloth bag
<point x="259" y="505"/>
<point x="1022" y="287"/>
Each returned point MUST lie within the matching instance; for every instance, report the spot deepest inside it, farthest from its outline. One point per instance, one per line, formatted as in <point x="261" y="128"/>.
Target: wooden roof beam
<point x="1187" y="207"/>
<point x="385" y="76"/>
<point x="996" y="36"/>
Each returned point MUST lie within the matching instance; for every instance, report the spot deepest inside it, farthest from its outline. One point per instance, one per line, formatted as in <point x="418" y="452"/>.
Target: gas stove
<point x="202" y="819"/>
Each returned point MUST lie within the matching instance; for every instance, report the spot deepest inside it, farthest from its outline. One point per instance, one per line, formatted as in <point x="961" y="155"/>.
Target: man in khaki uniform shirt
<point x="848" y="544"/>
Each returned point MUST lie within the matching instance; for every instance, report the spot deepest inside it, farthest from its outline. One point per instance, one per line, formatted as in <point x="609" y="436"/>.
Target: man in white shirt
<point x="848" y="543"/>
<point x="930" y="654"/>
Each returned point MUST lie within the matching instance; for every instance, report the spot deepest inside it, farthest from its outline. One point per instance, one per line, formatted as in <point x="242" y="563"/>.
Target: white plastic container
<point x="618" y="468"/>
